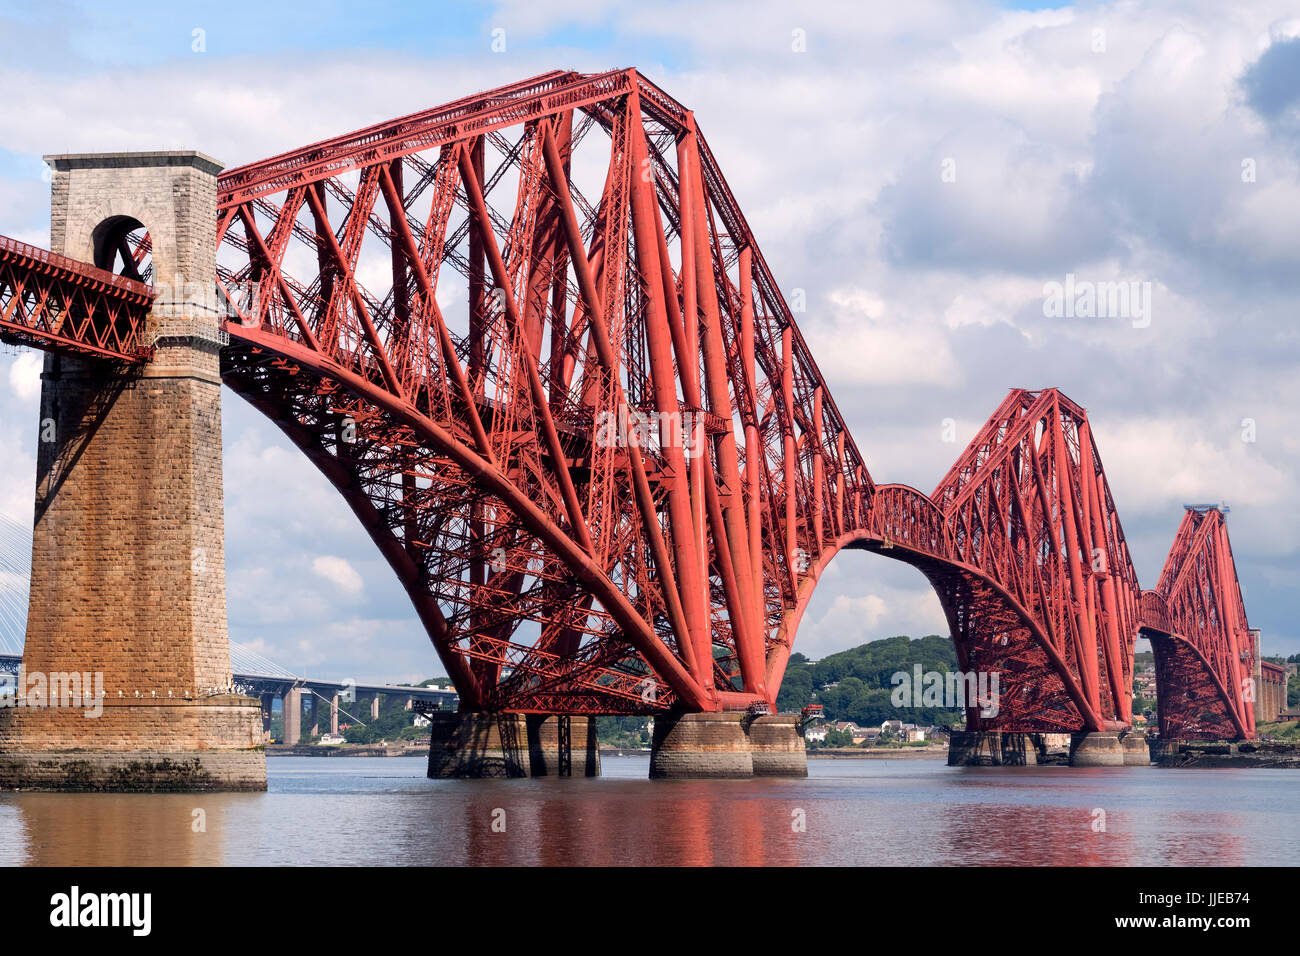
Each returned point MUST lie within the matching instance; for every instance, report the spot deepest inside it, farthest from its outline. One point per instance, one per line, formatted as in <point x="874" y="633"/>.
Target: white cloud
<point x="864" y="343"/>
<point x="924" y="300"/>
<point x="1157" y="464"/>
<point x="1265" y="224"/>
<point x="338" y="571"/>
<point x="25" y="375"/>
<point x="852" y="618"/>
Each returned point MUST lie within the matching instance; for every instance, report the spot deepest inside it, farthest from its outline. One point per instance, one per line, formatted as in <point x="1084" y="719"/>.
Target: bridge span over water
<point x="532" y="341"/>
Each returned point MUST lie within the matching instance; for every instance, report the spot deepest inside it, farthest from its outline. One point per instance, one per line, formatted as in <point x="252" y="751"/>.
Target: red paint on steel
<point x="54" y="303"/>
<point x="585" y="431"/>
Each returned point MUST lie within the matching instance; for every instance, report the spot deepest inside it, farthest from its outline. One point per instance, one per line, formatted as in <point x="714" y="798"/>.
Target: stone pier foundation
<point x="478" y="745"/>
<point x="1097" y="749"/>
<point x="128" y="587"/>
<point x="1137" y="752"/>
<point x="1111" y="748"/>
<point x="701" y="745"/>
<point x="135" y="747"/>
<point x="991" y="748"/>
<point x="777" y="746"/>
<point x="560" y="745"/>
<point x="1160" y="749"/>
<point x="728" y="744"/>
<point x="471" y="744"/>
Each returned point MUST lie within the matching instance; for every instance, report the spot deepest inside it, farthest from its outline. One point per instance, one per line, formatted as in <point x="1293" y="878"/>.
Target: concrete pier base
<point x="141" y="771"/>
<point x="1160" y="749"/>
<point x="562" y="746"/>
<point x="991" y="748"/>
<point x="972" y="748"/>
<point x="471" y="744"/>
<point x="1097" y="749"/>
<point x="1019" y="750"/>
<point x="777" y="747"/>
<point x="1137" y="753"/>
<point x="719" y="745"/>
<point x="727" y="745"/>
<point x="478" y="745"/>
<point x="701" y="745"/>
<point x="177" y="745"/>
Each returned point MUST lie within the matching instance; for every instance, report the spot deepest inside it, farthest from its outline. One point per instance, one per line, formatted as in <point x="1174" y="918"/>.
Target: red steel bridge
<point x="531" y="340"/>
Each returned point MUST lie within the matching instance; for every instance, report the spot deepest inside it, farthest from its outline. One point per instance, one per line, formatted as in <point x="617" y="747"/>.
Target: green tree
<point x="838" y="738"/>
<point x="395" y="722"/>
<point x="862" y="678"/>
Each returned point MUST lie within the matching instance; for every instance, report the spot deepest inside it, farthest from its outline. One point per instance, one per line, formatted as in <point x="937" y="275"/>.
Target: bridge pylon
<point x="126" y="681"/>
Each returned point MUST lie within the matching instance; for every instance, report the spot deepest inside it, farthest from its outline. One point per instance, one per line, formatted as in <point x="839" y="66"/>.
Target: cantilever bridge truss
<point x="531" y="340"/>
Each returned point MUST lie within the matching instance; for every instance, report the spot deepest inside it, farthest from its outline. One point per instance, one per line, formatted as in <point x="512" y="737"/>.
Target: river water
<point x="377" y="810"/>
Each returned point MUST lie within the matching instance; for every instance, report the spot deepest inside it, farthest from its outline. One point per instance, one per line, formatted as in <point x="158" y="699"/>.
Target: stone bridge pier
<point x="127" y="681"/>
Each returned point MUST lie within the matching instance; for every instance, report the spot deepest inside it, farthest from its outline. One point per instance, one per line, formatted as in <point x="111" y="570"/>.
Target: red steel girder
<point x="671" y="533"/>
<point x="576" y="415"/>
<point x="1196" y="620"/>
<point x="658" y="488"/>
<point x="51" y="302"/>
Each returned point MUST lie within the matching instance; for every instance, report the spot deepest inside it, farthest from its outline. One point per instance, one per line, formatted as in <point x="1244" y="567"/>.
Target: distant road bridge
<point x="299" y="694"/>
<point x="251" y="673"/>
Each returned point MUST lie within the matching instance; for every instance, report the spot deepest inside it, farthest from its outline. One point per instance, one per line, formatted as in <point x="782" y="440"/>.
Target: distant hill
<point x="861" y="676"/>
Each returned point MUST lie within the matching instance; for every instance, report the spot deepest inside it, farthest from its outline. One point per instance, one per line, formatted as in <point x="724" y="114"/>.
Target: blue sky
<point x="97" y="36"/>
<point x="1101" y="140"/>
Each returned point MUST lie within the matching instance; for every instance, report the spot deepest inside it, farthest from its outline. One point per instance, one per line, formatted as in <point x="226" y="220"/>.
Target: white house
<point x="911" y="733"/>
<point x="859" y="734"/>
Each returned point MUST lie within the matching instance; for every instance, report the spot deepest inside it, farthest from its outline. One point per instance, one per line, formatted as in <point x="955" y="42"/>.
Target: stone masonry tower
<point x="127" y="682"/>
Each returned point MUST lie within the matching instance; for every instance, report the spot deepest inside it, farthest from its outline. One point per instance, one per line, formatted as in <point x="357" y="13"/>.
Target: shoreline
<point x="890" y="753"/>
<point x="422" y="750"/>
<point x="360" y="750"/>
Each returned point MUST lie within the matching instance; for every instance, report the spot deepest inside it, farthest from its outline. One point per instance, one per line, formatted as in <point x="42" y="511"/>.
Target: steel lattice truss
<point x="1029" y="503"/>
<point x="525" y="451"/>
<point x="51" y="302"/>
<point x="1196" y="620"/>
<point x="530" y="339"/>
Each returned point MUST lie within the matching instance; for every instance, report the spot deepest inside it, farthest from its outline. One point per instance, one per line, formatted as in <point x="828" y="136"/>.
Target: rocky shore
<point x="1223" y="753"/>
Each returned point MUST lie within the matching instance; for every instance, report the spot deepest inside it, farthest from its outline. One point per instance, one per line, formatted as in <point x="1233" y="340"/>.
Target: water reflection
<point x="56" y="829"/>
<point x="383" y="811"/>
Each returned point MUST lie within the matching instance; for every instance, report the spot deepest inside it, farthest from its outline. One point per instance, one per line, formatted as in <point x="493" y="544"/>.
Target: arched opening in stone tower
<point x="123" y="246"/>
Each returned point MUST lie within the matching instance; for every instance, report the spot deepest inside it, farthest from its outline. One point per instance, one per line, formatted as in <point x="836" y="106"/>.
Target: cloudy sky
<point x="922" y="170"/>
